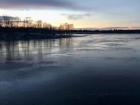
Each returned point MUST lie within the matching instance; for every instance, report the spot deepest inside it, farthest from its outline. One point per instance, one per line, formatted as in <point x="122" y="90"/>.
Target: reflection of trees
<point x="25" y="50"/>
<point x="65" y="44"/>
<point x="12" y="50"/>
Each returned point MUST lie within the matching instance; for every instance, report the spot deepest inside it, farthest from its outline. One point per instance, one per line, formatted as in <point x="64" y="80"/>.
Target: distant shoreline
<point x="39" y="33"/>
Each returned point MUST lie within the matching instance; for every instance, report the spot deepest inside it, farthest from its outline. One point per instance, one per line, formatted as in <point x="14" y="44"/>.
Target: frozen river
<point x="91" y="70"/>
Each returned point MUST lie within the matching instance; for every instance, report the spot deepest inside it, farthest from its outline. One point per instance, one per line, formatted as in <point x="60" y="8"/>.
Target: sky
<point x="82" y="13"/>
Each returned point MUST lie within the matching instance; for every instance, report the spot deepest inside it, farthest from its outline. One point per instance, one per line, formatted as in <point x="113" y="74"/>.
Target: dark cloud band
<point x="35" y="3"/>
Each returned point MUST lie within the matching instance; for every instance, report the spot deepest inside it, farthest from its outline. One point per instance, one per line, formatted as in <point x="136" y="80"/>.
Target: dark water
<point x="91" y="70"/>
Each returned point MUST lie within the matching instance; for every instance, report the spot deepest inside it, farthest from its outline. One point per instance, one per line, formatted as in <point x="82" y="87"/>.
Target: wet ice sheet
<point x="88" y="70"/>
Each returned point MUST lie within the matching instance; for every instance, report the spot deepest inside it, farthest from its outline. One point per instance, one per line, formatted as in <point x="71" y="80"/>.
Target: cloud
<point x="35" y="3"/>
<point x="77" y="16"/>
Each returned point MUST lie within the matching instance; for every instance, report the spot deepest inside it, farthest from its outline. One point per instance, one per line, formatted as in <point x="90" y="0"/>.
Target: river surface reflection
<point x="90" y="70"/>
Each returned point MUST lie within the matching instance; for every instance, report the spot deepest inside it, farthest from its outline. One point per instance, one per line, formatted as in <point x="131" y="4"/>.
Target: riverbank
<point x="31" y="34"/>
<point x="34" y="33"/>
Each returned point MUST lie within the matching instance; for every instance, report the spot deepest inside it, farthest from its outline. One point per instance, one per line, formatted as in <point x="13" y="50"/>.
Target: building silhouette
<point x="66" y="26"/>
